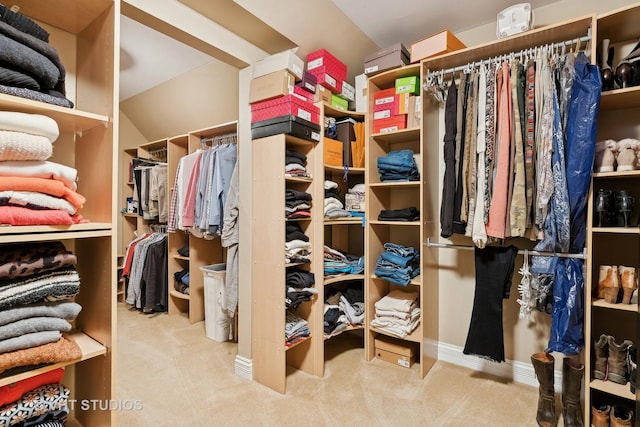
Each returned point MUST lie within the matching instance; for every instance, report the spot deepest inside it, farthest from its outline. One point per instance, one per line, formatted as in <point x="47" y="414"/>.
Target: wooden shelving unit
<point x="617" y="119"/>
<point x="88" y="143"/>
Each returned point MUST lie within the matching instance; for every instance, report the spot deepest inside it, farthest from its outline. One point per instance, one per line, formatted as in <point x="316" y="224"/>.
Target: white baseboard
<point x="244" y="367"/>
<point x="516" y="371"/>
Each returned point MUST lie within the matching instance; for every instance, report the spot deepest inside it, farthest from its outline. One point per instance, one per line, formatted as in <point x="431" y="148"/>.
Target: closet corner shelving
<point x="271" y="356"/>
<point x="88" y="143"/>
<point x="202" y="251"/>
<point x="343" y="234"/>
<point x="617" y="119"/>
<point x="421" y="194"/>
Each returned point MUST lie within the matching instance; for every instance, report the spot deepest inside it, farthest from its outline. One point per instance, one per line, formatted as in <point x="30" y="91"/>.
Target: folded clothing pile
<point x="295" y="328"/>
<point x="181" y="281"/>
<point x="35" y="401"/>
<point x="295" y="165"/>
<point x="300" y="288"/>
<point x="358" y="191"/>
<point x="33" y="190"/>
<point x="397" y="313"/>
<point x="29" y="66"/>
<point x="37" y="281"/>
<point x="398" y="165"/>
<point x="401" y="215"/>
<point x="333" y="205"/>
<point x="337" y="263"/>
<point x="398" y="264"/>
<point x="297" y="247"/>
<point x="297" y="204"/>
<point x="343" y="309"/>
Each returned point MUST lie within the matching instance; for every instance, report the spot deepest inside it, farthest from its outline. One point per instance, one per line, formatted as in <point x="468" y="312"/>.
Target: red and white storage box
<point x="286" y="60"/>
<point x="390" y="124"/>
<point x="283" y="106"/>
<point x="328" y="69"/>
<point x="385" y="99"/>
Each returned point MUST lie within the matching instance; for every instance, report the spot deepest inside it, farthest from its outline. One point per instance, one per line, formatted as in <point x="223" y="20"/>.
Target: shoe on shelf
<point x="621" y="416"/>
<point x="628" y="282"/>
<point x="617" y="369"/>
<point x="609" y="283"/>
<point x="601" y="351"/>
<point x="605" y="156"/>
<point x="632" y="363"/>
<point x="623" y="204"/>
<point x="603" y="206"/>
<point x="626" y="154"/>
<point x="600" y="415"/>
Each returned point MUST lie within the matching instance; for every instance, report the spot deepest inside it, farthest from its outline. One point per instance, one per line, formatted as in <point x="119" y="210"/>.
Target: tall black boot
<point x="543" y="364"/>
<point x="572" y="372"/>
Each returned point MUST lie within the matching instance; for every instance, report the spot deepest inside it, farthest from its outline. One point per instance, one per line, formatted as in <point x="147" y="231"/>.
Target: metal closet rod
<point x="431" y="244"/>
<point x="519" y="55"/>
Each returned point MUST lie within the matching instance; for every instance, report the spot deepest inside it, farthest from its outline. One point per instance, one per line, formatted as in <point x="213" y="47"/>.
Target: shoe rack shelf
<point x="613" y="245"/>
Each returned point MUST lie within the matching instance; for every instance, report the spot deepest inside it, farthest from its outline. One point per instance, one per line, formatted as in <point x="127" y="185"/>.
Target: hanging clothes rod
<point x="160" y="152"/>
<point x="230" y="138"/>
<point x="523" y="53"/>
<point x="431" y="244"/>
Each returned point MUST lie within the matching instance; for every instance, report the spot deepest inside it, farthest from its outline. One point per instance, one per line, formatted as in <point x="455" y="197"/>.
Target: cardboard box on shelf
<point x="410" y="84"/>
<point x="288" y="124"/>
<point x="285" y="105"/>
<point x="322" y="58"/>
<point x="271" y="85"/>
<point x="391" y="124"/>
<point x="414" y="115"/>
<point x="332" y="152"/>
<point x="436" y="44"/>
<point x="339" y="103"/>
<point x="354" y="202"/>
<point x="323" y="94"/>
<point x="328" y="80"/>
<point x="361" y="93"/>
<point x="348" y="92"/>
<point x="286" y="60"/>
<point x="308" y="82"/>
<point x="385" y="99"/>
<point x="398" y="352"/>
<point x="393" y="56"/>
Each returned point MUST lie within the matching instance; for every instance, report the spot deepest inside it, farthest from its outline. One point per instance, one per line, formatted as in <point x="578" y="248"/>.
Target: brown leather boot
<point x="601" y="351"/>
<point x="610" y="285"/>
<point x="617" y="361"/>
<point x="543" y="364"/>
<point x="600" y="415"/>
<point x="572" y="372"/>
<point x="628" y="282"/>
<point x="606" y="279"/>
<point x="621" y="416"/>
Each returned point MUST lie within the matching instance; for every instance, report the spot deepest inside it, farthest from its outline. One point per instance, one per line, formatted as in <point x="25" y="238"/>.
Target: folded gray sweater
<point x="67" y="310"/>
<point x="33" y="324"/>
<point x="29" y="61"/>
<point x="29" y="340"/>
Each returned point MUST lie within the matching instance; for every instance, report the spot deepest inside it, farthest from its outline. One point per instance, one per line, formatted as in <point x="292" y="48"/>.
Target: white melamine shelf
<point x="620" y="306"/>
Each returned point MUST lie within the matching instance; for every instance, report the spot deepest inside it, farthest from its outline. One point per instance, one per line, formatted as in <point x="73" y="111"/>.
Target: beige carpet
<point x="181" y="378"/>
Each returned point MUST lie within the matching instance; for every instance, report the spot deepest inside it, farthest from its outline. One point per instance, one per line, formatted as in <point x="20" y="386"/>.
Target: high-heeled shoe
<point x="624" y="206"/>
<point x="603" y="206"/>
<point x="628" y="282"/>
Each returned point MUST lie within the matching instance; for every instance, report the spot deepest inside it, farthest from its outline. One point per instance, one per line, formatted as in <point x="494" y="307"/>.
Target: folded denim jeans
<point x="397" y="249"/>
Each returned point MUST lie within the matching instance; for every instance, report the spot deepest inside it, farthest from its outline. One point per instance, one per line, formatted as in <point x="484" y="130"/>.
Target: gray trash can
<point x="217" y="322"/>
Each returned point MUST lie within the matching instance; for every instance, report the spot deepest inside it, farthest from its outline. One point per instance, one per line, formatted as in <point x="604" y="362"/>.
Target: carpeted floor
<point x="181" y="378"/>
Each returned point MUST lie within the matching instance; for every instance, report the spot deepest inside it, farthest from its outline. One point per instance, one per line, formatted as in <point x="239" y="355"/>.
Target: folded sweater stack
<point x="29" y="66"/>
<point x="33" y="190"/>
<point x="397" y="313"/>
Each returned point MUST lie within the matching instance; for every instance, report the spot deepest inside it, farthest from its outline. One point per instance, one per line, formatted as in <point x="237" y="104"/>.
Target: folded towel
<point x="29" y="340"/>
<point x="34" y="200"/>
<point x="42" y="185"/>
<point x="47" y="286"/>
<point x="35" y="124"/>
<point x="41" y="169"/>
<point x="24" y="146"/>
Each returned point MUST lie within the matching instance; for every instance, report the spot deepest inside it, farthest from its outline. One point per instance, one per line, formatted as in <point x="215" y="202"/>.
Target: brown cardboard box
<point x="436" y="44"/>
<point x="414" y="114"/>
<point x="279" y="61"/>
<point x="323" y="94"/>
<point x="386" y="59"/>
<point x="271" y="85"/>
<point x="395" y="351"/>
<point x="332" y="152"/>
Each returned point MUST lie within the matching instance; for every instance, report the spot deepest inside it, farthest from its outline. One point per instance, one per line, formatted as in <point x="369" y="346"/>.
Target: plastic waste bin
<point x="217" y="322"/>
